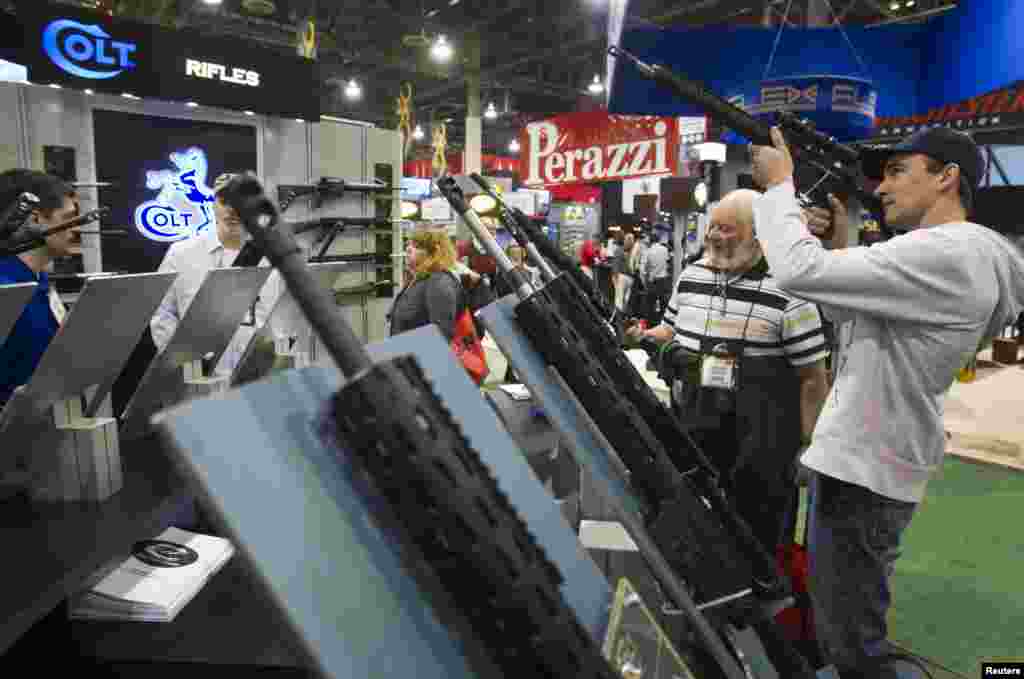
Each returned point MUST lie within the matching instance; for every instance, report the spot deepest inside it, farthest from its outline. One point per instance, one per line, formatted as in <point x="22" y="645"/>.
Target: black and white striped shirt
<point x="716" y="305"/>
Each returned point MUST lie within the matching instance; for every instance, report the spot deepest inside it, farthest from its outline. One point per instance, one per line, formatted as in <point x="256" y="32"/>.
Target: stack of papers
<point x="155" y="583"/>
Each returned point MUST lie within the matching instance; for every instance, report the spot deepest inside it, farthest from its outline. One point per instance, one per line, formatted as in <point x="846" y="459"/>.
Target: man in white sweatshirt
<point x="908" y="313"/>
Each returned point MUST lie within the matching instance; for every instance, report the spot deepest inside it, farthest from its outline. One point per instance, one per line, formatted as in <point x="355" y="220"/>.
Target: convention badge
<point x="718" y="369"/>
<point x="57" y="306"/>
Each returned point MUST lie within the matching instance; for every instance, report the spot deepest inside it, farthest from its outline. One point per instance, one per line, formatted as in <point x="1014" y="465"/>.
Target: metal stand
<point x="63" y="454"/>
<point x="337" y="574"/>
<point x="210" y="322"/>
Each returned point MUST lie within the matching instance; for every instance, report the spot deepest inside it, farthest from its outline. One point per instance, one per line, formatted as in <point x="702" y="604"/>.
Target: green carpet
<point x="958" y="591"/>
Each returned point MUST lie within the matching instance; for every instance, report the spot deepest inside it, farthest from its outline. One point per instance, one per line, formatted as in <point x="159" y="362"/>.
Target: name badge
<point x="718" y="372"/>
<point x="57" y="306"/>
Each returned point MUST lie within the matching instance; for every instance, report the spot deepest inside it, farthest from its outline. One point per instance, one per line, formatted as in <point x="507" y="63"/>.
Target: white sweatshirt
<point x="908" y="314"/>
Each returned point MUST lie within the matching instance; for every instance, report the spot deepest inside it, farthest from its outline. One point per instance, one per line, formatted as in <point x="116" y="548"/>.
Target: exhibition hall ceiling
<point x="536" y="57"/>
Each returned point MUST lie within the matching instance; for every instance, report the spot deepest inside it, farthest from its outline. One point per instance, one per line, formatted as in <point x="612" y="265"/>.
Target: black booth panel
<point x="130" y="145"/>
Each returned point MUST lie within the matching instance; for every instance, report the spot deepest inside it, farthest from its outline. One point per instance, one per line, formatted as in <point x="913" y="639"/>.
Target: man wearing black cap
<point x="908" y="313"/>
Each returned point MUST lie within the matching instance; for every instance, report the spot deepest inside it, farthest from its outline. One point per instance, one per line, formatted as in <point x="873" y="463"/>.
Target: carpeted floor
<point x="959" y="586"/>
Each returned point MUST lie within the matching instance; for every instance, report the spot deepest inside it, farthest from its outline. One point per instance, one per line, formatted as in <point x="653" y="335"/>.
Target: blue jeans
<point x="853" y="543"/>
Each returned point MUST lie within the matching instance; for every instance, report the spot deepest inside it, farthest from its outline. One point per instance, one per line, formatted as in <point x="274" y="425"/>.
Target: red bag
<point x="797" y="620"/>
<point x="468" y="348"/>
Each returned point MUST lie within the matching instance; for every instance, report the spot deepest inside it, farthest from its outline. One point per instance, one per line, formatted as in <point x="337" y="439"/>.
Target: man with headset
<point x="908" y="313"/>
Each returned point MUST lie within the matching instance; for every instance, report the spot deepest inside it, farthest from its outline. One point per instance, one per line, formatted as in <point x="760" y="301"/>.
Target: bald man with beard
<point x="756" y="379"/>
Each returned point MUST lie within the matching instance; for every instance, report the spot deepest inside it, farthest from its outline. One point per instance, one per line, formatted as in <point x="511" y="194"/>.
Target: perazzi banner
<point x="596" y="147"/>
<point x="1000" y="109"/>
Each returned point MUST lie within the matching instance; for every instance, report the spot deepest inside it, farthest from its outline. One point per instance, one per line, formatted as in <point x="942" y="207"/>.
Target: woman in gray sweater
<point x="431" y="293"/>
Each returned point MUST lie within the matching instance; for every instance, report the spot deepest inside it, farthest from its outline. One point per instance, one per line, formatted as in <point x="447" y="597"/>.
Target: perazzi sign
<point x="597" y="147"/>
<point x="1002" y="108"/>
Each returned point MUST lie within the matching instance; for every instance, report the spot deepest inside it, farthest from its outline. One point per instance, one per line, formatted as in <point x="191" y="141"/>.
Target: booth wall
<point x="289" y="152"/>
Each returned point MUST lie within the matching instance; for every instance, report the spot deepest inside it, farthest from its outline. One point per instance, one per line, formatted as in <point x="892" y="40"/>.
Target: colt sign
<point x="597" y="147"/>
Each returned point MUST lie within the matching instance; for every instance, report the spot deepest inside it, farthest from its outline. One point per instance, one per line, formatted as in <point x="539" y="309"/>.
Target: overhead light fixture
<point x="250" y="113"/>
<point x="491" y="113"/>
<point x="442" y="50"/>
<point x="88" y="91"/>
<point x="299" y="120"/>
<point x="410" y="209"/>
<point x="700" y="195"/>
<point x="212" y="2"/>
<point x="417" y="133"/>
<point x="452" y="3"/>
<point x="894" y="6"/>
<point x="483" y="204"/>
<point x="55" y="86"/>
<point x="513" y="146"/>
<point x="909" y="3"/>
<point x="596" y="87"/>
<point x="353" y="90"/>
<point x="127" y="95"/>
<point x="191" y="104"/>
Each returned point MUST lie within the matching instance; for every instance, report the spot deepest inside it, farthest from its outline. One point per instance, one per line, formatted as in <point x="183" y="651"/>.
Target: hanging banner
<point x="596" y="147"/>
<point x="842" y="107"/>
<point x="1000" y="109"/>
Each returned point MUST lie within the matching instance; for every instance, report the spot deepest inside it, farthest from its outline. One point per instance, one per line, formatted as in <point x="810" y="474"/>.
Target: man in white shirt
<point x="214" y="248"/>
<point x="908" y="313"/>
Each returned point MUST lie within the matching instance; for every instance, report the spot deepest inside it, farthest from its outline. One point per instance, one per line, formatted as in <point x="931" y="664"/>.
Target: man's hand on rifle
<point x="831" y="225"/>
<point x="772" y="165"/>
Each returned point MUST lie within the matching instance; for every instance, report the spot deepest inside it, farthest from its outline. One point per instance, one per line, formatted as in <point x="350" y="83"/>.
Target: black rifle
<point x="37" y="239"/>
<point x="327" y="187"/>
<point x="831" y="167"/>
<point x="697" y="535"/>
<point x="540" y="248"/>
<point x="469" y="551"/>
<point x="252" y="254"/>
<point x="17" y="213"/>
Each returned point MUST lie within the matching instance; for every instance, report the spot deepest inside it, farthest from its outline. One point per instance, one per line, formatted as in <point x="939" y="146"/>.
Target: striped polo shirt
<point x="717" y="305"/>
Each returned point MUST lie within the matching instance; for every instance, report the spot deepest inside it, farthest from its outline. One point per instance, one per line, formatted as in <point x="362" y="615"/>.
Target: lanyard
<point x="723" y="289"/>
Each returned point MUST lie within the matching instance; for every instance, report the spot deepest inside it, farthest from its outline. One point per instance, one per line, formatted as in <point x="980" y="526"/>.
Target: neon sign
<point x="76" y="47"/>
<point x="184" y="205"/>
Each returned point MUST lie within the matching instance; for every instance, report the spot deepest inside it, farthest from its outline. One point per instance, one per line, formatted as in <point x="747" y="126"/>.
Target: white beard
<point x="740" y="257"/>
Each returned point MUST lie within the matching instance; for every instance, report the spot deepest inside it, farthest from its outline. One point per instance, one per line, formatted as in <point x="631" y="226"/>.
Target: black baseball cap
<point x="941" y="143"/>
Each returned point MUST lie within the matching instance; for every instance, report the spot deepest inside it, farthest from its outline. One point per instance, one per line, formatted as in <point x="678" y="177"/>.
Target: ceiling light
<point x="89" y="92"/>
<point x="452" y="3"/>
<point x="482" y="203"/>
<point x="410" y="209"/>
<point x="596" y="87"/>
<point x="909" y="3"/>
<point x="491" y="113"/>
<point x="191" y="104"/>
<point x="513" y="146"/>
<point x="417" y="133"/>
<point x="299" y="120"/>
<point x="442" y="50"/>
<point x="126" y="95"/>
<point x="212" y="2"/>
<point x="55" y="86"/>
<point x="250" y="113"/>
<point x="700" y="195"/>
<point x="894" y="6"/>
<point x="353" y="90"/>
